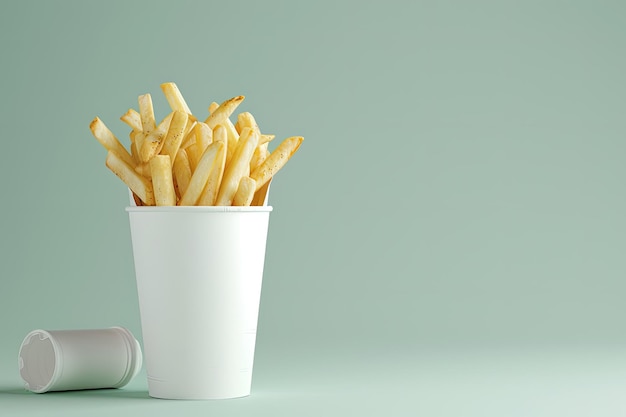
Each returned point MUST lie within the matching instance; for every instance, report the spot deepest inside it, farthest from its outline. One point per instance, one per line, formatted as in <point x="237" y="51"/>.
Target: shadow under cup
<point x="199" y="273"/>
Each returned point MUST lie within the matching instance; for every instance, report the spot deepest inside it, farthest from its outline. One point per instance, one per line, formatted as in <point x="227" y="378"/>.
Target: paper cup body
<point x="199" y="272"/>
<point x="62" y="360"/>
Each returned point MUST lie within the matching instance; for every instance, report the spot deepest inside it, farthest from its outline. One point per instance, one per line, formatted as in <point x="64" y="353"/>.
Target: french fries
<point x="184" y="161"/>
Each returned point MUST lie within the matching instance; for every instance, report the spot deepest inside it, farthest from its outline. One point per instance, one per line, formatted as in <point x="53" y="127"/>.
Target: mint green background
<point x="449" y="239"/>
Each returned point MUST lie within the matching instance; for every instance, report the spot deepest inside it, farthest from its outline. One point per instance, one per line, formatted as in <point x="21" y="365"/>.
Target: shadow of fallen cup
<point x="104" y="393"/>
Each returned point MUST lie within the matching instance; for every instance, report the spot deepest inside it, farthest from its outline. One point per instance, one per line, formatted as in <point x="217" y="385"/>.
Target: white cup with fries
<point x="199" y="220"/>
<point x="199" y="272"/>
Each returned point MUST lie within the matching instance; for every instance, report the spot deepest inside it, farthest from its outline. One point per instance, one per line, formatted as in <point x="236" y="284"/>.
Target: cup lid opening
<point x="37" y="361"/>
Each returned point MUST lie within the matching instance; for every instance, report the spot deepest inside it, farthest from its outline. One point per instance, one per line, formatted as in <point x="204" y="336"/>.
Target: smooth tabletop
<point x="556" y="381"/>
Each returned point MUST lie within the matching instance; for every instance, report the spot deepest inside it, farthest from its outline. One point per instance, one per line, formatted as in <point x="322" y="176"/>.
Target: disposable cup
<point x="62" y="360"/>
<point x="199" y="272"/>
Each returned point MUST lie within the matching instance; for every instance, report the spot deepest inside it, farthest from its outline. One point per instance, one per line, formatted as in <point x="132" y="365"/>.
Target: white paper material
<point x="199" y="273"/>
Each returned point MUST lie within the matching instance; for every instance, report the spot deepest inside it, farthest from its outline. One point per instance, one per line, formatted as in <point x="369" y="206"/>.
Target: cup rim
<point x="200" y="209"/>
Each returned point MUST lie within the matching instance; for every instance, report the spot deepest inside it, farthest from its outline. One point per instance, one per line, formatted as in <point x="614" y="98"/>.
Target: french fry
<point x="182" y="172"/>
<point x="153" y="142"/>
<point x="133" y="119"/>
<point x="189" y="138"/>
<point x="138" y="140"/>
<point x="260" y="196"/>
<point x="245" y="192"/>
<point x="213" y="106"/>
<point x="223" y="112"/>
<point x="233" y="140"/>
<point x="139" y="185"/>
<point x="192" y="152"/>
<point x="175" y="132"/>
<point x="260" y="154"/>
<point x="133" y="145"/>
<point x="209" y="193"/>
<point x="220" y="134"/>
<point x="204" y="137"/>
<point x="276" y="160"/>
<point x="200" y="138"/>
<point x="174" y="97"/>
<point x="233" y="134"/>
<point x="238" y="166"/>
<point x="201" y="175"/>
<point x="146" y="112"/>
<point x="109" y="141"/>
<point x="133" y="152"/>
<point x="162" y="181"/>
<point x="191" y="123"/>
<point x="245" y="119"/>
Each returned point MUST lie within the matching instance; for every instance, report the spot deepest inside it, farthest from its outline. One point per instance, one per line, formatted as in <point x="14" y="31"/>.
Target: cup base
<point x="168" y="391"/>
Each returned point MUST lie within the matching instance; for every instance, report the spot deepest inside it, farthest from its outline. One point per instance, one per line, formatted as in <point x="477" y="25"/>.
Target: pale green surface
<point x="569" y="382"/>
<point x="461" y="186"/>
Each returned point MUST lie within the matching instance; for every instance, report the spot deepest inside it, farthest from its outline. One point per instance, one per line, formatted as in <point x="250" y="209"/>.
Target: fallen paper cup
<point x="199" y="271"/>
<point x="64" y="360"/>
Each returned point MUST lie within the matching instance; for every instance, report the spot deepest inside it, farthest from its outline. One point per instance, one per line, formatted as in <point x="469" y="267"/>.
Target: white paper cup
<point x="62" y="360"/>
<point x="199" y="272"/>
